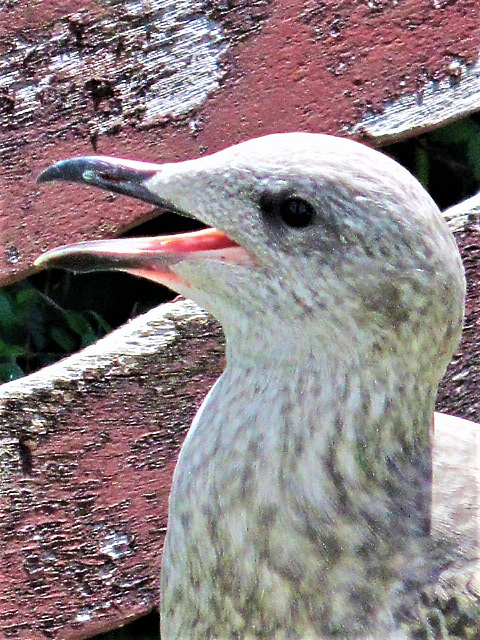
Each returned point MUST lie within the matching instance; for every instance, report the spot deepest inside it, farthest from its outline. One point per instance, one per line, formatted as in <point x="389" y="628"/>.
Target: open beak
<point x="152" y="257"/>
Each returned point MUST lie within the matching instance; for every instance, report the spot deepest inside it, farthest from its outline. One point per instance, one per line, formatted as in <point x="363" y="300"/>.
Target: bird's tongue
<point x="194" y="241"/>
<point x="147" y="257"/>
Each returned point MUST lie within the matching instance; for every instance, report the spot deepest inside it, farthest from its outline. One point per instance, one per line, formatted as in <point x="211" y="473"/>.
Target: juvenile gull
<point x="301" y="502"/>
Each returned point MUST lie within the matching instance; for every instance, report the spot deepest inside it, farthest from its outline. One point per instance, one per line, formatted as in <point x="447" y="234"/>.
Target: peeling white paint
<point x="116" y="545"/>
<point x="153" y="332"/>
<point x="9" y="461"/>
<point x="438" y="103"/>
<point x="38" y="422"/>
<point x="176" y="46"/>
<point x="84" y="615"/>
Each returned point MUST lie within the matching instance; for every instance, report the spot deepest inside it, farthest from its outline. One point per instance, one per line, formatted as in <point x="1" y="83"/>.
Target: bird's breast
<point x="252" y="544"/>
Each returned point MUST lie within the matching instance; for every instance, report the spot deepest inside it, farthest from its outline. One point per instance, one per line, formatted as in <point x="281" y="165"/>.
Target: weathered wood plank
<point x="87" y="450"/>
<point x="458" y="393"/>
<point x="464" y="216"/>
<point x="436" y="104"/>
<point x="165" y="80"/>
<point x="87" y="447"/>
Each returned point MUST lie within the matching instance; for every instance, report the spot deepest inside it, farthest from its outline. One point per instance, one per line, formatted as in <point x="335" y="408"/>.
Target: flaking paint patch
<point x="177" y="48"/>
<point x="116" y="545"/>
<point x="84" y="615"/>
<point x="438" y="103"/>
<point x="9" y="461"/>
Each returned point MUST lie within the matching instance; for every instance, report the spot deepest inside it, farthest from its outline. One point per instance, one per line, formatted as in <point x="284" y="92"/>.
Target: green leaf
<point x="26" y="300"/>
<point x="11" y="351"/>
<point x="64" y="339"/>
<point x="456" y="133"/>
<point x="101" y="322"/>
<point x="10" y="371"/>
<point x="77" y="322"/>
<point x="80" y="325"/>
<point x="422" y="165"/>
<point x="7" y="315"/>
<point x="3" y="349"/>
<point x="473" y="154"/>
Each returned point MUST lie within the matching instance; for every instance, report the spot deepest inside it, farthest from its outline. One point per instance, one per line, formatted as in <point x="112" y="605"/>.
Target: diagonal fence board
<point x="87" y="450"/>
<point x="458" y="393"/>
<point x="164" y="80"/>
<point x="88" y="447"/>
<point x="438" y="103"/>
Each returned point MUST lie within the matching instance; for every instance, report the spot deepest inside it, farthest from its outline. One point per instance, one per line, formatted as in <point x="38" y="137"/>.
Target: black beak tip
<point x="112" y="174"/>
<point x="71" y="170"/>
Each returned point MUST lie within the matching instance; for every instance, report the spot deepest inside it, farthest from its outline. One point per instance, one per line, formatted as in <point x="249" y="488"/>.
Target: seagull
<point x="301" y="504"/>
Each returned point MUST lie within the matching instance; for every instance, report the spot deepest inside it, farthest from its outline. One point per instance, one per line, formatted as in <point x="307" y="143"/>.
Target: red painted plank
<point x="87" y="452"/>
<point x="277" y="66"/>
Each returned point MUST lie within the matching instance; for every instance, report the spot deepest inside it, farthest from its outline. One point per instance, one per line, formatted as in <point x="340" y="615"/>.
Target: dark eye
<point x="295" y="212"/>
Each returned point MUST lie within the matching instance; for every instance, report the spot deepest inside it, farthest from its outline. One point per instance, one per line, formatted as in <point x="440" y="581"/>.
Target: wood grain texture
<point x="458" y="392"/>
<point x="87" y="450"/>
<point x="88" y="446"/>
<point x="439" y="102"/>
<point x="164" y="80"/>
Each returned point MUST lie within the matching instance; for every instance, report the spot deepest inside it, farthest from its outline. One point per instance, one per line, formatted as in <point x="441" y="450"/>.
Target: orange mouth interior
<point x="210" y="239"/>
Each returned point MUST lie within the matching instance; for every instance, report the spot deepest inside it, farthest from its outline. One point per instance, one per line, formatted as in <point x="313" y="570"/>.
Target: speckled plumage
<point x="300" y="506"/>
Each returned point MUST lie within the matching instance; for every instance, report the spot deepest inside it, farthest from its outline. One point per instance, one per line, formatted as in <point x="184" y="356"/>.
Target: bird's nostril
<point x="109" y="177"/>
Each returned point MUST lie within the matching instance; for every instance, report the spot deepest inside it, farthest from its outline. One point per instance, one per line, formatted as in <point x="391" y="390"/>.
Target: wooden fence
<point x="88" y="445"/>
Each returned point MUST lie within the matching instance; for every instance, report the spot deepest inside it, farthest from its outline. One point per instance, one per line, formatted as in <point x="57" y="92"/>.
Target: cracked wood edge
<point x="464" y="214"/>
<point x="114" y="355"/>
<point x="437" y="104"/>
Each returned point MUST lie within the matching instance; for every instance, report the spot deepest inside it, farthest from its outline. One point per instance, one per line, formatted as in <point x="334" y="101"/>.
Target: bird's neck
<point x="300" y="485"/>
<point x="334" y="428"/>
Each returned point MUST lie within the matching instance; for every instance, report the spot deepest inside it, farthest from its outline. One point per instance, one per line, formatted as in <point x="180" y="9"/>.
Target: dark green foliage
<point x="36" y="331"/>
<point x="446" y="161"/>
<point x="462" y="137"/>
<point x="55" y="313"/>
<point x="50" y="316"/>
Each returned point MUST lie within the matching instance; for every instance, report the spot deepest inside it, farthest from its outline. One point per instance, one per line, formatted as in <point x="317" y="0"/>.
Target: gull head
<point x="315" y="243"/>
